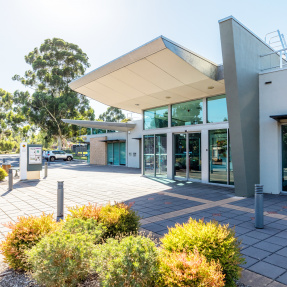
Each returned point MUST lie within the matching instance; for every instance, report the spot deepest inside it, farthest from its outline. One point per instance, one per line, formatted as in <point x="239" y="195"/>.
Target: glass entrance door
<point x="180" y="155"/>
<point x="284" y="158"/>
<point x="194" y="155"/>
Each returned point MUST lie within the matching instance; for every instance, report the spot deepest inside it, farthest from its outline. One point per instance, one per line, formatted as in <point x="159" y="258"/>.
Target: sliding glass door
<point x="187" y="155"/>
<point x="116" y="153"/>
<point x="155" y="155"/>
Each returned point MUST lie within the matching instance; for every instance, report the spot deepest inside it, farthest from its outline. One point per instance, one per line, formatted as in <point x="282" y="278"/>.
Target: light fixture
<point x="168" y="97"/>
<point x="210" y="87"/>
<point x="137" y="104"/>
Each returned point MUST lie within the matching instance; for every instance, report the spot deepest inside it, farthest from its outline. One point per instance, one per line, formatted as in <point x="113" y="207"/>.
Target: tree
<point x="112" y="115"/>
<point x="54" y="65"/>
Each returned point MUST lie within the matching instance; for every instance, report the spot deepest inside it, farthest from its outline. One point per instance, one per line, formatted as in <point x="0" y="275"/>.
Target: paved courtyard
<point x="161" y="203"/>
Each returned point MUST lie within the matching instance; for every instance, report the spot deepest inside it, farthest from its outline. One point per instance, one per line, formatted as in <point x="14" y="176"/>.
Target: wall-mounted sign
<point x="35" y="155"/>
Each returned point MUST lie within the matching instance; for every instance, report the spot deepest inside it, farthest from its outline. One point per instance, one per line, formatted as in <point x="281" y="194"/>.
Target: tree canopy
<point x="53" y="66"/>
<point x="112" y="115"/>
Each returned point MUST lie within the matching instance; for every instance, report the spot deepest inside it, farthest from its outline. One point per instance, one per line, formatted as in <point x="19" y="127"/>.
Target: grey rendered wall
<point x="241" y="51"/>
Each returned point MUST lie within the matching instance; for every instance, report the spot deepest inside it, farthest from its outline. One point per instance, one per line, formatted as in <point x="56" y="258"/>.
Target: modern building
<point x="219" y="124"/>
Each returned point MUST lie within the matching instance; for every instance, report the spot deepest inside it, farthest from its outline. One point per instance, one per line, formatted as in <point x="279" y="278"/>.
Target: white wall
<point x="272" y="101"/>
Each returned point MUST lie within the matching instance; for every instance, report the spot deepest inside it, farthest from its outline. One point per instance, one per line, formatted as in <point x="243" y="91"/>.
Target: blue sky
<point x="106" y="29"/>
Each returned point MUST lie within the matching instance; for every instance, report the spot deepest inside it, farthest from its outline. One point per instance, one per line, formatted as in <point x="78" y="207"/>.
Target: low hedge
<point x="3" y="174"/>
<point x="214" y="241"/>
<point x="189" y="269"/>
<point x="118" y="218"/>
<point x="25" y="233"/>
<point x="132" y="261"/>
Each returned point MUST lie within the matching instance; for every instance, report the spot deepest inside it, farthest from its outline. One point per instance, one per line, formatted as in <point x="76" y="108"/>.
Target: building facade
<point x="218" y="124"/>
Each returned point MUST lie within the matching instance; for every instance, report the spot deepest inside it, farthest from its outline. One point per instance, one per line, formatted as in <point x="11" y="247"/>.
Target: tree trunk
<point x="59" y="142"/>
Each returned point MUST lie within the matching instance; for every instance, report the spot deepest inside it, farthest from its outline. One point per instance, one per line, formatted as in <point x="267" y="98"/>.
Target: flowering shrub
<point x="3" y="174"/>
<point x="189" y="269"/>
<point x="214" y="241"/>
<point x="25" y="233"/>
<point x="118" y="218"/>
<point x="62" y="258"/>
<point x="132" y="261"/>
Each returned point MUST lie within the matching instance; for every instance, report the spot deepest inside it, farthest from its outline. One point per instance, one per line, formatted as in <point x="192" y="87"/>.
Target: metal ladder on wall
<point x="277" y="41"/>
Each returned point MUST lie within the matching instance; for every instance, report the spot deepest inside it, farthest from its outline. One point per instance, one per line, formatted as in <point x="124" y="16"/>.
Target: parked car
<point x="52" y="155"/>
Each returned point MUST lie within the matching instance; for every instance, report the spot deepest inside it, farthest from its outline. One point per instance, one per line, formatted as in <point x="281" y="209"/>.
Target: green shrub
<point x="89" y="226"/>
<point x="189" y="269"/>
<point x="62" y="258"/>
<point x="118" y="218"/>
<point x="3" y="174"/>
<point x="130" y="262"/>
<point x="214" y="241"/>
<point x="26" y="232"/>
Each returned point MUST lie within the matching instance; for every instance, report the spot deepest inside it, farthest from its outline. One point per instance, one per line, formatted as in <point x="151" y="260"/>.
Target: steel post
<point x="60" y="200"/>
<point x="259" y="208"/>
<point x="46" y="169"/>
<point x="10" y="179"/>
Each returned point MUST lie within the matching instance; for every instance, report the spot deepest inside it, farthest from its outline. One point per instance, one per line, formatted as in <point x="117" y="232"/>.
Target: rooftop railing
<point x="274" y="60"/>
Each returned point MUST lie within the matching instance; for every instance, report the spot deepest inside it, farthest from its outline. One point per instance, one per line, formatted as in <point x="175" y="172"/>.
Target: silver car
<point x="52" y="155"/>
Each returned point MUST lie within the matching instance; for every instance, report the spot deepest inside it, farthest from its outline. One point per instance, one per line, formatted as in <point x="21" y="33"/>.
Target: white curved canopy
<point x="122" y="127"/>
<point x="158" y="73"/>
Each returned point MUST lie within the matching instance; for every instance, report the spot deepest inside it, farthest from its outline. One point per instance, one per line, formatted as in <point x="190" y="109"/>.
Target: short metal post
<point x="259" y="218"/>
<point x="10" y="179"/>
<point x="4" y="160"/>
<point x="46" y="169"/>
<point x="60" y="200"/>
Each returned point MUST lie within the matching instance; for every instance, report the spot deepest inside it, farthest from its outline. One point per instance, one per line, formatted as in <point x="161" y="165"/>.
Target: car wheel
<point x="69" y="158"/>
<point x="52" y="158"/>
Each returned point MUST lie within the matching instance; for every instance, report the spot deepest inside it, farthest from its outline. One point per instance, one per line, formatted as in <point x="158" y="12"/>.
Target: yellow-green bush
<point x="3" y="174"/>
<point x="214" y="241"/>
<point x="130" y="262"/>
<point x="181" y="269"/>
<point x="25" y="233"/>
<point x="118" y="218"/>
<point x="62" y="259"/>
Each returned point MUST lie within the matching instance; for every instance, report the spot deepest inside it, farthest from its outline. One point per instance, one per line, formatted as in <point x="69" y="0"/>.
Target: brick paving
<point x="162" y="203"/>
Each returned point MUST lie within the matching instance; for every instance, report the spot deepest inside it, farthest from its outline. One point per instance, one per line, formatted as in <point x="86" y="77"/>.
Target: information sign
<point x="35" y="155"/>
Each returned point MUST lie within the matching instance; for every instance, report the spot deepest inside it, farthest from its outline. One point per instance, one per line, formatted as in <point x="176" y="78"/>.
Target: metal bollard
<point x="60" y="200"/>
<point x="46" y="169"/>
<point x="4" y="160"/>
<point x="10" y="179"/>
<point x="259" y="218"/>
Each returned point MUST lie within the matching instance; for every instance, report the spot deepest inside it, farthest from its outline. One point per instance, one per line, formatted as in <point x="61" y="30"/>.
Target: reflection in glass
<point x="156" y="118"/>
<point x="218" y="156"/>
<point x="217" y="109"/>
<point x="116" y="153"/>
<point x="231" y="175"/>
<point x="189" y="113"/>
<point x="148" y="155"/>
<point x="122" y="153"/>
<point x="89" y="130"/>
<point x="180" y="155"/>
<point x="161" y="155"/>
<point x="110" y="153"/>
<point x="195" y="155"/>
<point x="284" y="158"/>
<point x="98" y="131"/>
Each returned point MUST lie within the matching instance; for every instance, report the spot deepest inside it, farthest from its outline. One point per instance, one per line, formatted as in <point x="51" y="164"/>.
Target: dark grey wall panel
<point x="241" y="51"/>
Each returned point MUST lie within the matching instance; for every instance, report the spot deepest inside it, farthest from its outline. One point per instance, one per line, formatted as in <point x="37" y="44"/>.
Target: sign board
<point x="35" y="155"/>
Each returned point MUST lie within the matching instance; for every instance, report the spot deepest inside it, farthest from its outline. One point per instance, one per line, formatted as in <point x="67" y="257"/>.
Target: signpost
<point x="30" y="161"/>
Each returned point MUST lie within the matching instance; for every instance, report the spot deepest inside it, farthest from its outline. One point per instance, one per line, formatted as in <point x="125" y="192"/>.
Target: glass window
<point x="161" y="155"/>
<point x="189" y="113"/>
<point x="180" y="155"/>
<point x="218" y="154"/>
<point x="156" y="118"/>
<point x="194" y="155"/>
<point x="217" y="109"/>
<point x="98" y="131"/>
<point x="89" y="131"/>
<point x="149" y="155"/>
<point x="284" y="158"/>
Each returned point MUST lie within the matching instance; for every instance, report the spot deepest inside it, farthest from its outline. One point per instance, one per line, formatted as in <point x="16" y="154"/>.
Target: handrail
<point x="274" y="52"/>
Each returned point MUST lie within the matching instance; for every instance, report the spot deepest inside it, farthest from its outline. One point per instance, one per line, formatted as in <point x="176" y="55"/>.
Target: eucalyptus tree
<point x="53" y="66"/>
